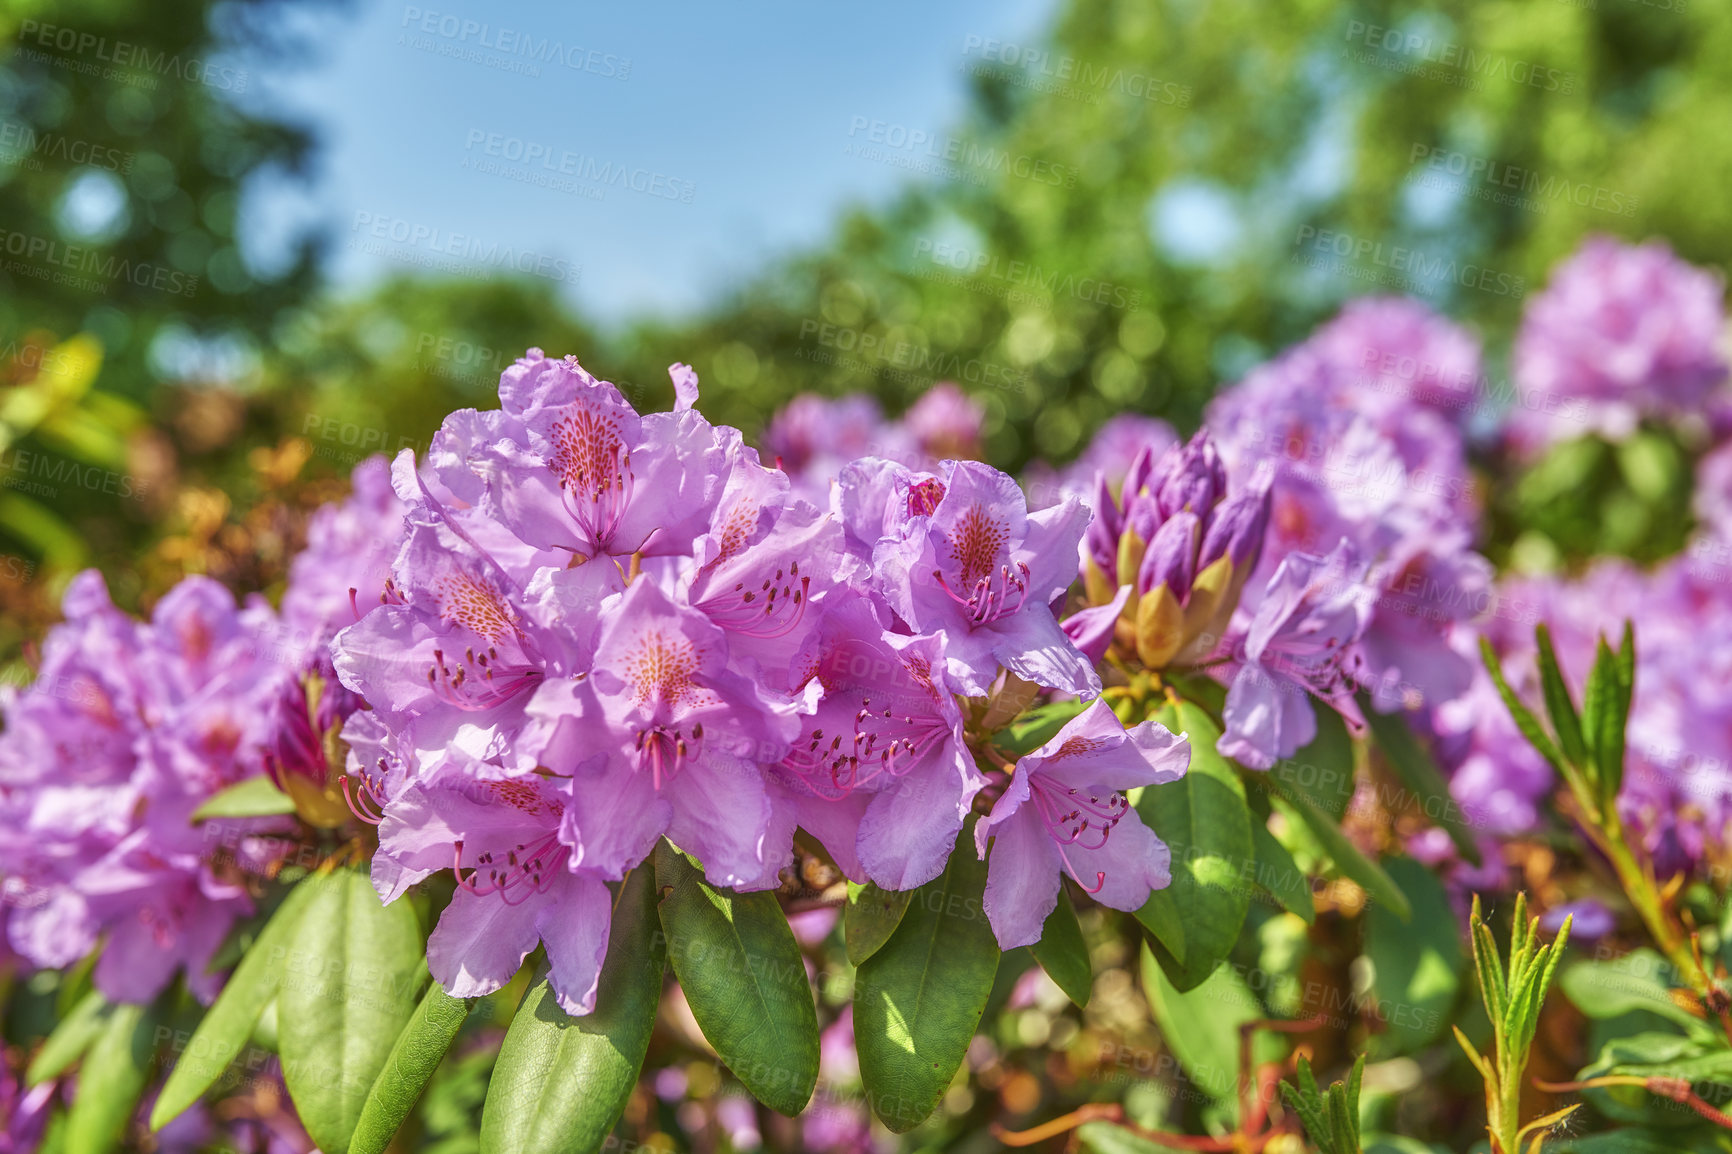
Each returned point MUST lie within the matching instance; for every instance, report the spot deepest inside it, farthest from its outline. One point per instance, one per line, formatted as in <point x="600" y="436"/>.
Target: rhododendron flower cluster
<point x="1362" y="425"/>
<point x="571" y="630"/>
<point x="1621" y="334"/>
<point x="131" y="726"/>
<point x="605" y="627"/>
<point x="128" y="728"/>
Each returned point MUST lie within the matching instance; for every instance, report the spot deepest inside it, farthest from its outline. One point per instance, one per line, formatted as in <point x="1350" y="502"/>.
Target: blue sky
<point x="731" y="119"/>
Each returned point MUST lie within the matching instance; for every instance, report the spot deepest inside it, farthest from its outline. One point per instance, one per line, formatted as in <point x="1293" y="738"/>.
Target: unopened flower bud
<point x="1171" y="558"/>
<point x="1237" y="527"/>
<point x="1192" y="479"/>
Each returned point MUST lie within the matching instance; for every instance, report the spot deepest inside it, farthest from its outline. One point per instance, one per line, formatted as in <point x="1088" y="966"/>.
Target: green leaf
<point x="1323" y="770"/>
<point x="1160" y="916"/>
<point x="918" y="1000"/>
<point x="561" y="1083"/>
<point x="1566" y="722"/>
<point x="1419" y="773"/>
<point x="419" y="1050"/>
<point x="1063" y="954"/>
<point x="1396" y="1144"/>
<point x="226" y="1026"/>
<point x="742" y="973"/>
<point x="1304" y="1100"/>
<point x="1201" y="1026"/>
<point x="254" y="797"/>
<point x="1341" y="851"/>
<point x="1350" y="1094"/>
<point x="1603" y="722"/>
<point x="70" y="1039"/>
<point x="1636" y="981"/>
<point x="1525" y="720"/>
<point x="1665" y="1055"/>
<point x="1619" y="1142"/>
<point x="1110" y="1138"/>
<point x="872" y="916"/>
<point x="111" y="1080"/>
<point x="1206" y="825"/>
<point x="1038" y="726"/>
<point x="1614" y="716"/>
<point x="1418" y="965"/>
<point x="1280" y="876"/>
<point x="351" y="980"/>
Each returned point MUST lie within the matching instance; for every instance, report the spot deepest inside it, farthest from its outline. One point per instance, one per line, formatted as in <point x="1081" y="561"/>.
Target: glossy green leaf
<point x="111" y="1080"/>
<point x="1280" y="876"/>
<point x="1566" y="722"/>
<point x="223" y="1032"/>
<point x="1635" y="981"/>
<point x="1063" y="953"/>
<point x="871" y="917"/>
<point x="1160" y="916"/>
<point x="1418" y="964"/>
<point x="352" y="977"/>
<point x="1206" y="824"/>
<point x="1396" y="1144"/>
<point x="254" y="797"/>
<point x="419" y="1050"/>
<point x="1038" y="726"/>
<point x="918" y="1000"/>
<point x="1343" y="852"/>
<point x="1413" y="764"/>
<point x="1600" y="722"/>
<point x="743" y="976"/>
<point x="70" y="1039"/>
<point x="1110" y="1138"/>
<point x="561" y="1083"/>
<point x="1201" y="1026"/>
<point x="1610" y="687"/>
<point x="1323" y="770"/>
<point x="1525" y="721"/>
<point x="1631" y="1141"/>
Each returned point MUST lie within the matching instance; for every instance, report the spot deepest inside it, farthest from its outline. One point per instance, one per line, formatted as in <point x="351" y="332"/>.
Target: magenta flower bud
<point x="1138" y="476"/>
<point x="1142" y="516"/>
<point x="1171" y="559"/>
<point x="297" y="756"/>
<point x="1193" y="478"/>
<point x="1102" y="535"/>
<point x="1237" y="527"/>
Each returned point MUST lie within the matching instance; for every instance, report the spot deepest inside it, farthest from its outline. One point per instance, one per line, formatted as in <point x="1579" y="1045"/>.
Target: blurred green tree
<point x="125" y="143"/>
<point x="1131" y="205"/>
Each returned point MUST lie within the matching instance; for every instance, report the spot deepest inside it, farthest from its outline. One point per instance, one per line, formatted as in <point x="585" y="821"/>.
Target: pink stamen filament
<point x="885" y="743"/>
<point x="492" y="684"/>
<point x="990" y="599"/>
<point x="362" y="801"/>
<point x="753" y="612"/>
<point x="1067" y="818"/>
<point x="663" y="750"/>
<point x="1322" y="677"/>
<point x="608" y="498"/>
<point x="530" y="864"/>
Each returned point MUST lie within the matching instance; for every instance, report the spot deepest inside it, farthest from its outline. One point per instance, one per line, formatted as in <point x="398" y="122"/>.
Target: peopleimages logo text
<point x="125" y="54"/>
<point x="581" y="166"/>
<point x="73" y="264"/>
<point x="902" y="139"/>
<point x="463" y="247"/>
<point x="513" y="42"/>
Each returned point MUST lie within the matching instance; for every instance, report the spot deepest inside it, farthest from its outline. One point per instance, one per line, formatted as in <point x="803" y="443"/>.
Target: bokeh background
<point x="247" y="243"/>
